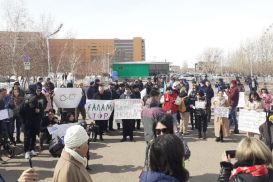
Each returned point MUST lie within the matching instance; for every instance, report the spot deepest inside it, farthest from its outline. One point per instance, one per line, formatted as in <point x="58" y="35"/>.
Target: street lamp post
<point x="47" y="44"/>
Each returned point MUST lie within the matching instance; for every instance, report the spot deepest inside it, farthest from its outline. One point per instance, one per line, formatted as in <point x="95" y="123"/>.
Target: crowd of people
<point x="170" y="106"/>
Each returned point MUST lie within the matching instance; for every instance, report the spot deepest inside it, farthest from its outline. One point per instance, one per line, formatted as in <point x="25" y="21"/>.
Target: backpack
<point x="182" y="107"/>
<point x="56" y="146"/>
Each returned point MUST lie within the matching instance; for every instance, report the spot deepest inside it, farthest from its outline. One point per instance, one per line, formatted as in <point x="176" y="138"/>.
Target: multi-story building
<point x="93" y="56"/>
<point x="16" y="46"/>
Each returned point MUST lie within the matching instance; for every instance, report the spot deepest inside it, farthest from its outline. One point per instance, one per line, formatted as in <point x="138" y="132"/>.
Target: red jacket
<point x="170" y="103"/>
<point x="233" y="96"/>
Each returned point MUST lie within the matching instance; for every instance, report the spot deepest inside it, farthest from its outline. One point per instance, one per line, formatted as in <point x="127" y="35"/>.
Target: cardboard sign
<point x="4" y="114"/>
<point x="241" y="102"/>
<point x="250" y="120"/>
<point x="128" y="108"/>
<point x="67" y="97"/>
<point x="221" y="112"/>
<point x="200" y="104"/>
<point x="99" y="109"/>
<point x="59" y="130"/>
<point x="143" y="93"/>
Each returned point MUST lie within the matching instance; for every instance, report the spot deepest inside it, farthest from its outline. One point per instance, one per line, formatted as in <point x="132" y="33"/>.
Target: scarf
<point x="76" y="156"/>
<point x="256" y="170"/>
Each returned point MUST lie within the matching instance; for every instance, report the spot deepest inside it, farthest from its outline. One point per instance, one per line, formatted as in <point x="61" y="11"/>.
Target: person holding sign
<point x="221" y="124"/>
<point x="254" y="103"/>
<point x="201" y="114"/>
<point x="233" y="99"/>
<point x="127" y="124"/>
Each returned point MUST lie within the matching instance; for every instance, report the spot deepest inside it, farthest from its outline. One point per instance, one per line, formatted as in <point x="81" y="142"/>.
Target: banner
<point x="241" y="102"/>
<point x="128" y="108"/>
<point x="59" y="130"/>
<point x="221" y="112"/>
<point x="67" y="97"/>
<point x="4" y="114"/>
<point x="99" y="109"/>
<point x="250" y="120"/>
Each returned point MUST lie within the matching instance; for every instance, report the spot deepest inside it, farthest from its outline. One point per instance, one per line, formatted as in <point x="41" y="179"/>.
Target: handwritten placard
<point x="241" y="102"/>
<point x="221" y="112"/>
<point x="128" y="108"/>
<point x="250" y="120"/>
<point x="4" y="114"/>
<point x="59" y="130"/>
<point x="99" y="109"/>
<point x="67" y="97"/>
<point x="200" y="104"/>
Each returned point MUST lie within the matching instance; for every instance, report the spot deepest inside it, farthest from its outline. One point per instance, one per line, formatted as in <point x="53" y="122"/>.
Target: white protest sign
<point x="143" y="93"/>
<point x="250" y="120"/>
<point x="99" y="109"/>
<point x="241" y="102"/>
<point x="4" y="114"/>
<point x="221" y="112"/>
<point x="200" y="104"/>
<point x="128" y="108"/>
<point x="59" y="130"/>
<point x="67" y="97"/>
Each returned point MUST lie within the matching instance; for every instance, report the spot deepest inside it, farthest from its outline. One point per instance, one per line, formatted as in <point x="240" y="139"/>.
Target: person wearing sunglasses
<point x="162" y="127"/>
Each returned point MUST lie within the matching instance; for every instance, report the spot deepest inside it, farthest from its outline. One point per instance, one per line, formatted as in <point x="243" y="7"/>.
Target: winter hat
<point x="75" y="136"/>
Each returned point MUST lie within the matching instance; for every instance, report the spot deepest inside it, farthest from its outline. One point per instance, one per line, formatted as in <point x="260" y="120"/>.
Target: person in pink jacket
<point x="267" y="99"/>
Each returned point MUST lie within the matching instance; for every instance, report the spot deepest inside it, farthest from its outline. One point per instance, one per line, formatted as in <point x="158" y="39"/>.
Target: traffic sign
<point x="27" y="65"/>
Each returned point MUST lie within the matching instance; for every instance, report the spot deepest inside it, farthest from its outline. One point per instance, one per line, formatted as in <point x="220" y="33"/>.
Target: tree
<point x="210" y="59"/>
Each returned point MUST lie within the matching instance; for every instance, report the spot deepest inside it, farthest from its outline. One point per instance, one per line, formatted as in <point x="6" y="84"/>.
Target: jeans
<point x="7" y="132"/>
<point x="232" y="118"/>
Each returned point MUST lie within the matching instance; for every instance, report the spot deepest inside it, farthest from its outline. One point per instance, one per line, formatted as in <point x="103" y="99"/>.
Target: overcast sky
<point x="176" y="30"/>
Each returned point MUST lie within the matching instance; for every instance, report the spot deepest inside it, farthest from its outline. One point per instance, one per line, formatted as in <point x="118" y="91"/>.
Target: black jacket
<point x="227" y="167"/>
<point x="266" y="131"/>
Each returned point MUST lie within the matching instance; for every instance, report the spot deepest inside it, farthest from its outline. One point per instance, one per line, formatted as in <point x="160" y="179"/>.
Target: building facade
<point x="93" y="56"/>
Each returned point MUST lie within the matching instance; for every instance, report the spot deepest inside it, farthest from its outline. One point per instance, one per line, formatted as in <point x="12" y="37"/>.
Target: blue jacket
<point x="150" y="176"/>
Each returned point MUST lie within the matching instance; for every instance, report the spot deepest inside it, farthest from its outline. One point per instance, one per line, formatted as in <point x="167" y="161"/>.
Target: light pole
<point x="47" y="44"/>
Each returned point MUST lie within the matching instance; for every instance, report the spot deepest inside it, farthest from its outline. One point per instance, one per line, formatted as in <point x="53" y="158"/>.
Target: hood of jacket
<point x="150" y="176"/>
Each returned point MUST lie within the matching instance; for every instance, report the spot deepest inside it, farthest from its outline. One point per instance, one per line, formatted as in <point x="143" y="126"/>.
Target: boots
<point x="204" y="135"/>
<point x="221" y="135"/>
<point x="200" y="135"/>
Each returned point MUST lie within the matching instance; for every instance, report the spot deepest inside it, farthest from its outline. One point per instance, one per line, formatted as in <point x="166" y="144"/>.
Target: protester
<point x="81" y="107"/>
<point x="209" y="93"/>
<point x="221" y="124"/>
<point x="18" y="102"/>
<point x="201" y="115"/>
<point x="71" y="165"/>
<point x="16" y="86"/>
<point x="192" y="99"/>
<point x="184" y="110"/>
<point x="150" y="114"/>
<point x="267" y="99"/>
<point x="113" y="95"/>
<point x="253" y="84"/>
<point x="254" y="163"/>
<point x="70" y="118"/>
<point x="240" y="86"/>
<point x="266" y="131"/>
<point x="101" y="95"/>
<point x="48" y="95"/>
<point x="127" y="124"/>
<point x="166" y="161"/>
<point x="254" y="103"/>
<point x="169" y="105"/>
<point x="233" y="99"/>
<point x="31" y="116"/>
<point x="136" y="95"/>
<point x="47" y="121"/>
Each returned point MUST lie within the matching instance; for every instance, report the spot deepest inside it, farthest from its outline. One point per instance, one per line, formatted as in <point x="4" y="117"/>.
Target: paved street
<point x="113" y="161"/>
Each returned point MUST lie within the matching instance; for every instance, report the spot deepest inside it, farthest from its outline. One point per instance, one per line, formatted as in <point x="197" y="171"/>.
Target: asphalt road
<point x="113" y="161"/>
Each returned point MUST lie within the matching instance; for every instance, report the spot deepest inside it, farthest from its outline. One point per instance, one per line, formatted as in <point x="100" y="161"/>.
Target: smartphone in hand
<point x="231" y="153"/>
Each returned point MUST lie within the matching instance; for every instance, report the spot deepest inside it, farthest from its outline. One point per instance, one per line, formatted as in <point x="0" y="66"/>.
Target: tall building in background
<point x="93" y="56"/>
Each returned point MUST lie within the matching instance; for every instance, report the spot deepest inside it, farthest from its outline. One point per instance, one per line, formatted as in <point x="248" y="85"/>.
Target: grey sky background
<point x="176" y="30"/>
